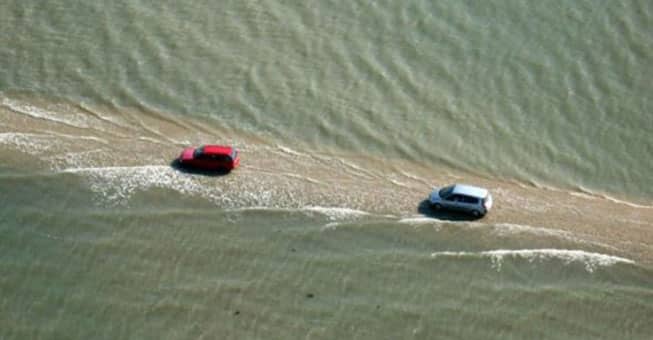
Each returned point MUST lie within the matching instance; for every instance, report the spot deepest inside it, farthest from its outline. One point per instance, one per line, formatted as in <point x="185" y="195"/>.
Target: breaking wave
<point x="335" y="213"/>
<point x="587" y="193"/>
<point x="590" y="260"/>
<point x="332" y="213"/>
<point x="63" y="117"/>
<point x="118" y="184"/>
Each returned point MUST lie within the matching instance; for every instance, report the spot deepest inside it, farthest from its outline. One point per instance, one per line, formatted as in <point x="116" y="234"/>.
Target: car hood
<point x="187" y="154"/>
<point x="435" y="195"/>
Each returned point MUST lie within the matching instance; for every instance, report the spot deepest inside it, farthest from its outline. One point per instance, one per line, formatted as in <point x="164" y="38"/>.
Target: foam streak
<point x="590" y="260"/>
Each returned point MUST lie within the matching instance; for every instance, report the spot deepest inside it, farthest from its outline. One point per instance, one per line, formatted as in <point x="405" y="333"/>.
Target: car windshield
<point x="198" y="152"/>
<point x="446" y="191"/>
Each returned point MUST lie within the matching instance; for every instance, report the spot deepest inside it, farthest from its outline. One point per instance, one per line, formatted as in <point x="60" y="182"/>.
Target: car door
<point x="215" y="161"/>
<point x="468" y="203"/>
<point x="223" y="161"/>
<point x="209" y="161"/>
<point x="203" y="161"/>
<point x="212" y="162"/>
<point x="451" y="202"/>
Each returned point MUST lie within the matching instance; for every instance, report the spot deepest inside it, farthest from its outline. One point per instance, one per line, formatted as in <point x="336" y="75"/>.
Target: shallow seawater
<point x="170" y="265"/>
<point x="346" y="116"/>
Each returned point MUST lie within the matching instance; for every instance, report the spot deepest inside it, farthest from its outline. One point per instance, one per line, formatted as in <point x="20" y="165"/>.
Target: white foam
<point x="330" y="226"/>
<point x="289" y="150"/>
<point x="508" y="229"/>
<point x="589" y="194"/>
<point x="262" y="208"/>
<point x="503" y="229"/>
<point x="75" y="120"/>
<point x="411" y="176"/>
<point x="303" y="178"/>
<point x="357" y="170"/>
<point x="110" y="119"/>
<point x="630" y="204"/>
<point x="518" y="228"/>
<point x="590" y="260"/>
<point x="36" y="143"/>
<point x="29" y="143"/>
<point x="398" y="183"/>
<point x="76" y="137"/>
<point x="419" y="220"/>
<point x="118" y="184"/>
<point x="337" y="213"/>
<point x="53" y="148"/>
<point x="334" y="214"/>
<point x="582" y="195"/>
<point x="75" y="159"/>
<point x="152" y="140"/>
<point x="584" y="192"/>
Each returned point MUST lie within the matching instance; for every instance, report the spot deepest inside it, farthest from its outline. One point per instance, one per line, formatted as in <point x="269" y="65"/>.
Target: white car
<point x="462" y="197"/>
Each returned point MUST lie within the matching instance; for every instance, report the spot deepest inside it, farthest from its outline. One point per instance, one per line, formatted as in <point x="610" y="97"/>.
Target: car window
<point x="445" y="192"/>
<point x="199" y="152"/>
<point x="221" y="158"/>
<point x="470" y="200"/>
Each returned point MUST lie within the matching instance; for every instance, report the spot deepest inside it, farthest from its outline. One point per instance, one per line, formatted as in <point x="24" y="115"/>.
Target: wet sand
<point x="129" y="150"/>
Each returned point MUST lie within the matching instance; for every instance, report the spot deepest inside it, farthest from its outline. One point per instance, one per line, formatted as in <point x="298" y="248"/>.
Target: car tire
<point x="436" y="206"/>
<point x="476" y="213"/>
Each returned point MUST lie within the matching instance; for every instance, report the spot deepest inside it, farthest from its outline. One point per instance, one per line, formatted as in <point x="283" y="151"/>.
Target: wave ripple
<point x="590" y="260"/>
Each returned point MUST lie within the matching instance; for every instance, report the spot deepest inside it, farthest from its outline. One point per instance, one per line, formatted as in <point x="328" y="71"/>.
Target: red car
<point x="210" y="157"/>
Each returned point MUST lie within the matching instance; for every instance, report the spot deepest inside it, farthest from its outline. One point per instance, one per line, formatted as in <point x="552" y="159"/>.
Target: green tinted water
<point x="346" y="115"/>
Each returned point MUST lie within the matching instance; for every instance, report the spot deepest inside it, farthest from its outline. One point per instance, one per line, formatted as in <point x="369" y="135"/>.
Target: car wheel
<point x="437" y="206"/>
<point x="476" y="213"/>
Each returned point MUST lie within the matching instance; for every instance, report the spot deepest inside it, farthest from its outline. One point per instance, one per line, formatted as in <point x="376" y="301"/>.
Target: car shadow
<point x="175" y="164"/>
<point x="425" y="209"/>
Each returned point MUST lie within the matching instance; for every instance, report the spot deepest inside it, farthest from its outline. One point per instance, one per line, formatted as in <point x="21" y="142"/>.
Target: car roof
<point x="217" y="149"/>
<point x="469" y="190"/>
